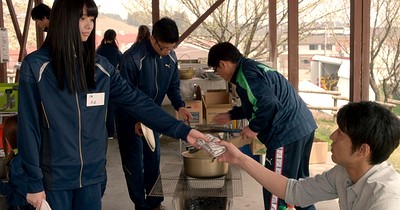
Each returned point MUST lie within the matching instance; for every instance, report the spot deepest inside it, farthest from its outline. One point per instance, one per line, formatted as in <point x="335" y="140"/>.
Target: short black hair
<point x="223" y="51"/>
<point x="165" y="30"/>
<point x="40" y="11"/>
<point x="368" y="122"/>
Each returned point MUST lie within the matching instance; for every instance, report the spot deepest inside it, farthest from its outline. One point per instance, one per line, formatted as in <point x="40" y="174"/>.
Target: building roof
<point x="326" y="59"/>
<point x="188" y="51"/>
<point x="103" y="23"/>
<point x="126" y="34"/>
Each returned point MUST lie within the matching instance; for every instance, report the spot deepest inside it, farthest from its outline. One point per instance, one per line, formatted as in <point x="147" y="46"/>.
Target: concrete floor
<point x="116" y="196"/>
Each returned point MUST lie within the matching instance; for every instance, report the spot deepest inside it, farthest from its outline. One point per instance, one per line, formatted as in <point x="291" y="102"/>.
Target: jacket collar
<point x="150" y="48"/>
<point x="238" y="67"/>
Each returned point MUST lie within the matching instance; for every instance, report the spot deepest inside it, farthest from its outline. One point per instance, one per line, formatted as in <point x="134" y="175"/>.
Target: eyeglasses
<point x="165" y="48"/>
<point x="215" y="68"/>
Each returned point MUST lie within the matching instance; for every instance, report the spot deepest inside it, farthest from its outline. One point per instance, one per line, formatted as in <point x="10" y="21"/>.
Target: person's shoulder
<point x="384" y="171"/>
<point x="105" y="48"/>
<point x="383" y="181"/>
<point x="16" y="159"/>
<point x="137" y="50"/>
<point x="247" y="64"/>
<point x="40" y="54"/>
<point x="137" y="47"/>
<point x="100" y="49"/>
<point x="172" y="56"/>
<point x="16" y="164"/>
<point x="246" y="61"/>
<point x="36" y="59"/>
<point x="102" y="61"/>
<point x="100" y="58"/>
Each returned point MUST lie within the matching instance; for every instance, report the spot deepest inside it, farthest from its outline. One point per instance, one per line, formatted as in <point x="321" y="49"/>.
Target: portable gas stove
<point x="201" y="194"/>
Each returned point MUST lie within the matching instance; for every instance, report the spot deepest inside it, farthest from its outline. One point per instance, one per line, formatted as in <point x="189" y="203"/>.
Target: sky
<point x="105" y="6"/>
<point x="113" y="7"/>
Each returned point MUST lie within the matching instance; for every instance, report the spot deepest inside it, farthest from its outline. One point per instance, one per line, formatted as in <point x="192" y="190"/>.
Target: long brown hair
<point x="143" y="33"/>
<point x="9" y="137"/>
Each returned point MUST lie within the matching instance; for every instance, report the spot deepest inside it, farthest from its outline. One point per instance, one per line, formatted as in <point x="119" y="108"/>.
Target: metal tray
<point x="173" y="182"/>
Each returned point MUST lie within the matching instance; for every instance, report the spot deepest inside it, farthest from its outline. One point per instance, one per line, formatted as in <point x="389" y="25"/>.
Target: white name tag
<point x="95" y="99"/>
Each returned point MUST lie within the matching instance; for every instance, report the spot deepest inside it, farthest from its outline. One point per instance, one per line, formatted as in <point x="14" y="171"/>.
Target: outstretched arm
<point x="273" y="182"/>
<point x="195" y="135"/>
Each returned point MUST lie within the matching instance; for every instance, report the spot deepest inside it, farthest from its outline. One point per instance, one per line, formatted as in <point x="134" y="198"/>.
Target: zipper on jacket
<point x="45" y="115"/>
<point x="79" y="139"/>
<point x="156" y="79"/>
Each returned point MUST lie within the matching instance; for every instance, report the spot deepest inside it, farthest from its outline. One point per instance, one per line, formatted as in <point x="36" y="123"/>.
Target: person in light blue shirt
<point x="368" y="134"/>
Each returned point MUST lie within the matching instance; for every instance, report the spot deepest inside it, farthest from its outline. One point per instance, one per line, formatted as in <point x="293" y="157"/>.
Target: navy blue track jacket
<point x="16" y="189"/>
<point x="155" y="75"/>
<point x="273" y="107"/>
<point x="61" y="138"/>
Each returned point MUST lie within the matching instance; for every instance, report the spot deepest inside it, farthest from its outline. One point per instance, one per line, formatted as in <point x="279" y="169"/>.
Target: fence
<point x="336" y="96"/>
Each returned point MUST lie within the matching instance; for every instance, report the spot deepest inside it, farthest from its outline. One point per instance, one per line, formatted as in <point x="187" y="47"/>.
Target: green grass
<point x="394" y="159"/>
<point x="396" y="110"/>
<point x="326" y="125"/>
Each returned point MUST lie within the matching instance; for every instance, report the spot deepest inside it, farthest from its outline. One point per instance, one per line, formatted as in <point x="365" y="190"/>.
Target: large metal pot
<point x="201" y="164"/>
<point x="186" y="73"/>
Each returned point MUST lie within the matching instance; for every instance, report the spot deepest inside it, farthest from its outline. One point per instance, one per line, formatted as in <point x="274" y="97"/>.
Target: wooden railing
<point x="336" y="96"/>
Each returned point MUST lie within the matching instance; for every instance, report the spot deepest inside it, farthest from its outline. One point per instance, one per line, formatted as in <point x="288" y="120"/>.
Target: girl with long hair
<point x="15" y="189"/>
<point x="64" y="90"/>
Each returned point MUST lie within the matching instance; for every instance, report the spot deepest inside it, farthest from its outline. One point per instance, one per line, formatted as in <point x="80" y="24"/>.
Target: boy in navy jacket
<point x="277" y="115"/>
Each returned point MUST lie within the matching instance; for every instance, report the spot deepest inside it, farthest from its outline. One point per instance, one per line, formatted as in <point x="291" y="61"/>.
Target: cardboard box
<point x="195" y="107"/>
<point x="212" y="97"/>
<point x="212" y="110"/>
<point x="216" y="101"/>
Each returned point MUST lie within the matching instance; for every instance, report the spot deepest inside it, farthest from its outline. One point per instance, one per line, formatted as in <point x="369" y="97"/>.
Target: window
<point x="313" y="47"/>
<point x="328" y="47"/>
